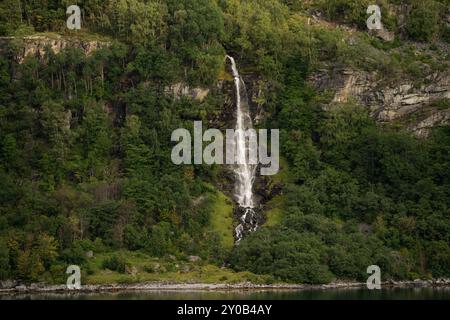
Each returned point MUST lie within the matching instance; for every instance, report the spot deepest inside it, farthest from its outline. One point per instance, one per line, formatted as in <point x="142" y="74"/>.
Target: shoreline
<point x="246" y="286"/>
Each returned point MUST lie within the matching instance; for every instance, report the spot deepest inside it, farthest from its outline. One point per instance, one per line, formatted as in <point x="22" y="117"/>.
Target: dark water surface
<point x="442" y="293"/>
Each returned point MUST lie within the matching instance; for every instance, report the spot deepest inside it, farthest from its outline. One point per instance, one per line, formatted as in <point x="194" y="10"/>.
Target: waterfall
<point x="243" y="170"/>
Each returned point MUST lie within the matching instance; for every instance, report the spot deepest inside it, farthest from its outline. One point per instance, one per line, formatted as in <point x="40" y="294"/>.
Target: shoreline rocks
<point x="10" y="286"/>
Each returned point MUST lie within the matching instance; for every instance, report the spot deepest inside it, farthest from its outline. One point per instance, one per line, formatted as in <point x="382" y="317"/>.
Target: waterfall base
<point x="249" y="220"/>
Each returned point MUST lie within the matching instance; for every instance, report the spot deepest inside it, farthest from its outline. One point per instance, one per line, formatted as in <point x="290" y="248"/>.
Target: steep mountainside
<point x="86" y="123"/>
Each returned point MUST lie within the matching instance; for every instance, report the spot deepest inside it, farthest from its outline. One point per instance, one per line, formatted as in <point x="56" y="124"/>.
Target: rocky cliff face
<point x="417" y="103"/>
<point x="387" y="101"/>
<point x="35" y="45"/>
<point x="407" y="101"/>
<point x="180" y="89"/>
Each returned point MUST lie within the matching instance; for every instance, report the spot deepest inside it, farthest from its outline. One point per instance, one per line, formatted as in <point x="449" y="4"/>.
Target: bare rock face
<point x="257" y="91"/>
<point x="178" y="90"/>
<point x="384" y="34"/>
<point x="36" y="45"/>
<point x="422" y="128"/>
<point x="388" y="101"/>
<point x="194" y="258"/>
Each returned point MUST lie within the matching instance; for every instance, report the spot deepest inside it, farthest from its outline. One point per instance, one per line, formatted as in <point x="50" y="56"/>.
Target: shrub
<point x="442" y="104"/>
<point x="349" y="11"/>
<point x="445" y="33"/>
<point x="29" y="266"/>
<point x="58" y="273"/>
<point x="423" y="21"/>
<point x="115" y="263"/>
<point x="75" y="255"/>
<point x="134" y="238"/>
<point x="285" y="254"/>
<point x="439" y="258"/>
<point x="4" y="260"/>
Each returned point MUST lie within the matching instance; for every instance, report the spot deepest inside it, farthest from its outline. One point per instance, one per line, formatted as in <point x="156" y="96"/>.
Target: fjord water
<point x="442" y="293"/>
<point x="244" y="171"/>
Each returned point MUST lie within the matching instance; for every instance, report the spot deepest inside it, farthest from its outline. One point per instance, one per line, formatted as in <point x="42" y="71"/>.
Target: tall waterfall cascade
<point x="243" y="170"/>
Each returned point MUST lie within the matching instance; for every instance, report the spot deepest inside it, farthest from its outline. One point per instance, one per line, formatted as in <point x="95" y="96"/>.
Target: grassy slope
<point x="275" y="212"/>
<point x="175" y="270"/>
<point x="274" y="207"/>
<point x="222" y="219"/>
<point x="142" y="267"/>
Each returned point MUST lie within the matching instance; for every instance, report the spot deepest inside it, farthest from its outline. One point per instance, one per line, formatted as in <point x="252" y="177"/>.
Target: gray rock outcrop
<point x="389" y="101"/>
<point x="36" y="45"/>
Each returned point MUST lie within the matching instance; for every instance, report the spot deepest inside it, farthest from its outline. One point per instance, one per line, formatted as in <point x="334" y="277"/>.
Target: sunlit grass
<point x="274" y="206"/>
<point x="199" y="272"/>
<point x="222" y="219"/>
<point x="275" y="213"/>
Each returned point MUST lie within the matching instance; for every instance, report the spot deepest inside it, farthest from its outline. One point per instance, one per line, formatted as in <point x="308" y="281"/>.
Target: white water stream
<point x="244" y="171"/>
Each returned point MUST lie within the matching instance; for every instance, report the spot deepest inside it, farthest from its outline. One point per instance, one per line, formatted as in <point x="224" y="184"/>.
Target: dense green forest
<point x="85" y="142"/>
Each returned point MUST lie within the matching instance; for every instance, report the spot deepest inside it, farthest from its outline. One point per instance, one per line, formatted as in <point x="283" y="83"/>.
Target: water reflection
<point x="442" y="293"/>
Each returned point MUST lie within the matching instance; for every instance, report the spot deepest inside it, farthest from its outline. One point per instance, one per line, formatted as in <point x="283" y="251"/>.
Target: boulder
<point x="8" y="284"/>
<point x="194" y="258"/>
<point x="131" y="270"/>
<point x="185" y="268"/>
<point x="180" y="89"/>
